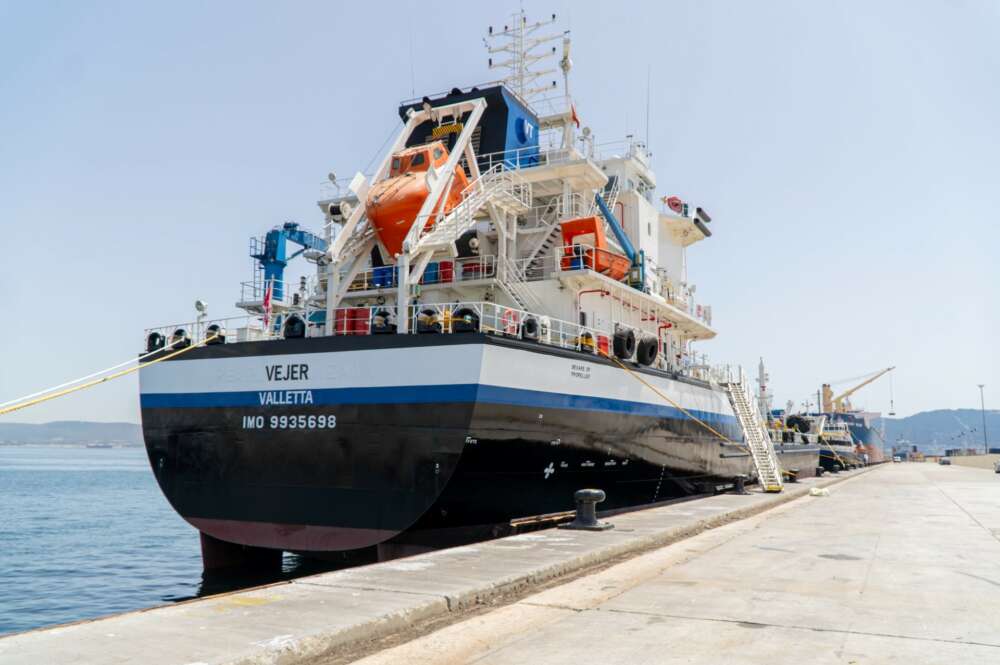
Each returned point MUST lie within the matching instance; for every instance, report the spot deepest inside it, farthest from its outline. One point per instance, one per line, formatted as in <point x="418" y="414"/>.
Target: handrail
<point x="561" y="333"/>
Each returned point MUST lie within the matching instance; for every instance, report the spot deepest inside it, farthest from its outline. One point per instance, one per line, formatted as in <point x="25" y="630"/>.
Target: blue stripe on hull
<point x="469" y="392"/>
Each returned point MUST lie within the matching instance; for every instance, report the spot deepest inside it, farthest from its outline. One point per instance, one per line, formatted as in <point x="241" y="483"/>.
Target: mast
<point x="518" y="43"/>
<point x="763" y="396"/>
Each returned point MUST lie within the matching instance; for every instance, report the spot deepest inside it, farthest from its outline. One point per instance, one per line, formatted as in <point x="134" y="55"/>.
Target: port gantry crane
<point x="836" y="404"/>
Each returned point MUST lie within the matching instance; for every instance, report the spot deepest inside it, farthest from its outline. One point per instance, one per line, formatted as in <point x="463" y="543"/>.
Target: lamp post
<point x="982" y="406"/>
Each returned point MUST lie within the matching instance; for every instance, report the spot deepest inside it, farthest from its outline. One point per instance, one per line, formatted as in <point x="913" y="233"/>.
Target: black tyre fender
<point x="624" y="343"/>
<point x="647" y="350"/>
<point x="529" y="329"/>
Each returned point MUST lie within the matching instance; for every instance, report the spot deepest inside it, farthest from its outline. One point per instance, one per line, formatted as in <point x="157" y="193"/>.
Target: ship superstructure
<point x="499" y="315"/>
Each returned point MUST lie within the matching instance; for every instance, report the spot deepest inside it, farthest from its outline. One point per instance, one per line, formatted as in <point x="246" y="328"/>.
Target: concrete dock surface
<point x="897" y="564"/>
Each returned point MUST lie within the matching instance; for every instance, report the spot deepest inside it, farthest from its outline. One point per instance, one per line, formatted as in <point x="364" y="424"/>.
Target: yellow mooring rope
<point x="48" y="396"/>
<point x="667" y="399"/>
<point x="680" y="408"/>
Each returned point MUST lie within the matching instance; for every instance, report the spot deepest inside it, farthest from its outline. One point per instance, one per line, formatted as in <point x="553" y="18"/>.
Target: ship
<point x="496" y="317"/>
<point x="863" y="427"/>
<point x="796" y="446"/>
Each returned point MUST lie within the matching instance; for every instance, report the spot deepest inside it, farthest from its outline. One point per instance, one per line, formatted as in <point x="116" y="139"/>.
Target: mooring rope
<point x="82" y="378"/>
<point x="674" y="404"/>
<point x="47" y="395"/>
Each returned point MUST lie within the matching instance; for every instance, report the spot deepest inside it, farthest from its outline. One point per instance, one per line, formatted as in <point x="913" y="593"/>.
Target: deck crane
<point x="272" y="254"/>
<point x="833" y="404"/>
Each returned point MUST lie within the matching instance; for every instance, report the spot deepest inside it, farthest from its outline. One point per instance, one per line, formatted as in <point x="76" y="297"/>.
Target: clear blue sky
<point x="847" y="151"/>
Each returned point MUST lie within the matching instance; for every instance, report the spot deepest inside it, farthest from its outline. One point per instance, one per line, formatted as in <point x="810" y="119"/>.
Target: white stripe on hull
<point x="484" y="364"/>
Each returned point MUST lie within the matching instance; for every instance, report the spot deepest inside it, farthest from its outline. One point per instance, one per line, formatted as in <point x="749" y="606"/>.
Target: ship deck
<point x="899" y="563"/>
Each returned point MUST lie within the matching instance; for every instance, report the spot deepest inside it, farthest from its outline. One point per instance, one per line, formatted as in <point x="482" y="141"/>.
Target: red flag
<point x="573" y="116"/>
<point x="267" y="302"/>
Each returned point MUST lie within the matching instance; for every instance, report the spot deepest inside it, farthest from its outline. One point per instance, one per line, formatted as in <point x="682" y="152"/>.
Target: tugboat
<point x="499" y="316"/>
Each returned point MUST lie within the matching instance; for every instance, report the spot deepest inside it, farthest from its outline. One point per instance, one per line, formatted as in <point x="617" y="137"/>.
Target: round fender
<point x="294" y="328"/>
<point x="464" y="319"/>
<point x="646" y="351"/>
<point x="530" y="329"/>
<point x="624" y="343"/>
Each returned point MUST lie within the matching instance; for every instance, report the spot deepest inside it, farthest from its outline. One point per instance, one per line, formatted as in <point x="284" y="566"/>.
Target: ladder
<point x="513" y="284"/>
<point x="755" y="434"/>
<point x="536" y="260"/>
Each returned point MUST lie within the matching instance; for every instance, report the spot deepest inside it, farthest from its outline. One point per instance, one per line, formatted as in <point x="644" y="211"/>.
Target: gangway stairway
<point x="755" y="434"/>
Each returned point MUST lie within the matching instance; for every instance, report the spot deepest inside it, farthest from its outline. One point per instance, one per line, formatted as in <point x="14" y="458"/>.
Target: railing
<point x="246" y="328"/>
<point x="496" y="184"/>
<point x="438" y="272"/>
<point x="447" y="318"/>
<point x="528" y="157"/>
<point x="292" y="292"/>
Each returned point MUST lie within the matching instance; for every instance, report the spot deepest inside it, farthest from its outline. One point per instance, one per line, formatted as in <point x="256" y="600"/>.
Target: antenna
<point x="649" y="76"/>
<point x="524" y="52"/>
<point x="413" y="77"/>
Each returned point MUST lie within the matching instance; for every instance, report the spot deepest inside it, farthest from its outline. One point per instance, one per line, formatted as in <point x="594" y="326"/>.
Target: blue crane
<point x="275" y="257"/>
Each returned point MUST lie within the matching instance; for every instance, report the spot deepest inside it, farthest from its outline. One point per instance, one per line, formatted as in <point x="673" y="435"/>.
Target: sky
<point x="846" y="151"/>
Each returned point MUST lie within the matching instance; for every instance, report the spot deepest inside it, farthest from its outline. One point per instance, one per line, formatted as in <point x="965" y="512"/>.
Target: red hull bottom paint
<point x="290" y="537"/>
<point x="217" y="555"/>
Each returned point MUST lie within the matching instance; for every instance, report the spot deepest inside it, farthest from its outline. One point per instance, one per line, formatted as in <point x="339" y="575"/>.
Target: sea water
<point x="85" y="532"/>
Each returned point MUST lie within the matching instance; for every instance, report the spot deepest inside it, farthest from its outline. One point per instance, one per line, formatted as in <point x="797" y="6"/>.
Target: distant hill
<point x="934" y="431"/>
<point x="62" y="432"/>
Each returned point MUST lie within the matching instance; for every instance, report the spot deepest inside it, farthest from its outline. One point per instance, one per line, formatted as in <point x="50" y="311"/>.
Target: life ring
<point x="508" y="322"/>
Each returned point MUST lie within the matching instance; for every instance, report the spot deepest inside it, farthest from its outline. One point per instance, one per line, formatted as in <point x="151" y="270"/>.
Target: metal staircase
<point x="536" y="262"/>
<point x="503" y="189"/>
<point x="609" y="194"/>
<point x="512" y="282"/>
<point x="755" y="434"/>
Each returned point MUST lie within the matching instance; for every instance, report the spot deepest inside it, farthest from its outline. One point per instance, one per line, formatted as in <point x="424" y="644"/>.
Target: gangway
<point x="755" y="434"/>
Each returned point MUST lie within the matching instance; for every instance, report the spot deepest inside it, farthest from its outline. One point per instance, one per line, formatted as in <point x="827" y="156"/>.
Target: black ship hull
<point x="422" y="439"/>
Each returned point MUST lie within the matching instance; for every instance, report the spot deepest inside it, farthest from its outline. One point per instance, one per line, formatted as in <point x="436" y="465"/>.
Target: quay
<point x="897" y="563"/>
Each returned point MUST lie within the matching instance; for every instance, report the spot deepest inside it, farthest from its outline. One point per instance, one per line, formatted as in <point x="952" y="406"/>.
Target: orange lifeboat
<point x="393" y="203"/>
<point x="585" y="246"/>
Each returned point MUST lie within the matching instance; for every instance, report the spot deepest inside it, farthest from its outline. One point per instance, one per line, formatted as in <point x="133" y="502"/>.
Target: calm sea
<point x="85" y="532"/>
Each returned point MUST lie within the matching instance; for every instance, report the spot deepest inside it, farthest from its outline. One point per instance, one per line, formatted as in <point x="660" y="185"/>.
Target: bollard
<point x="739" y="484"/>
<point x="793" y="475"/>
<point x="586" y="511"/>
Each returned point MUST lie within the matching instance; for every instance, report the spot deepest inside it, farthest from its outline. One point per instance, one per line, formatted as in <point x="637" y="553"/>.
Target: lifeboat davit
<point x="393" y="203"/>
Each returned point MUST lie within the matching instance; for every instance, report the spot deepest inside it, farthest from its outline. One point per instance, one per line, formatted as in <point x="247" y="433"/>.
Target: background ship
<point x="862" y="425"/>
